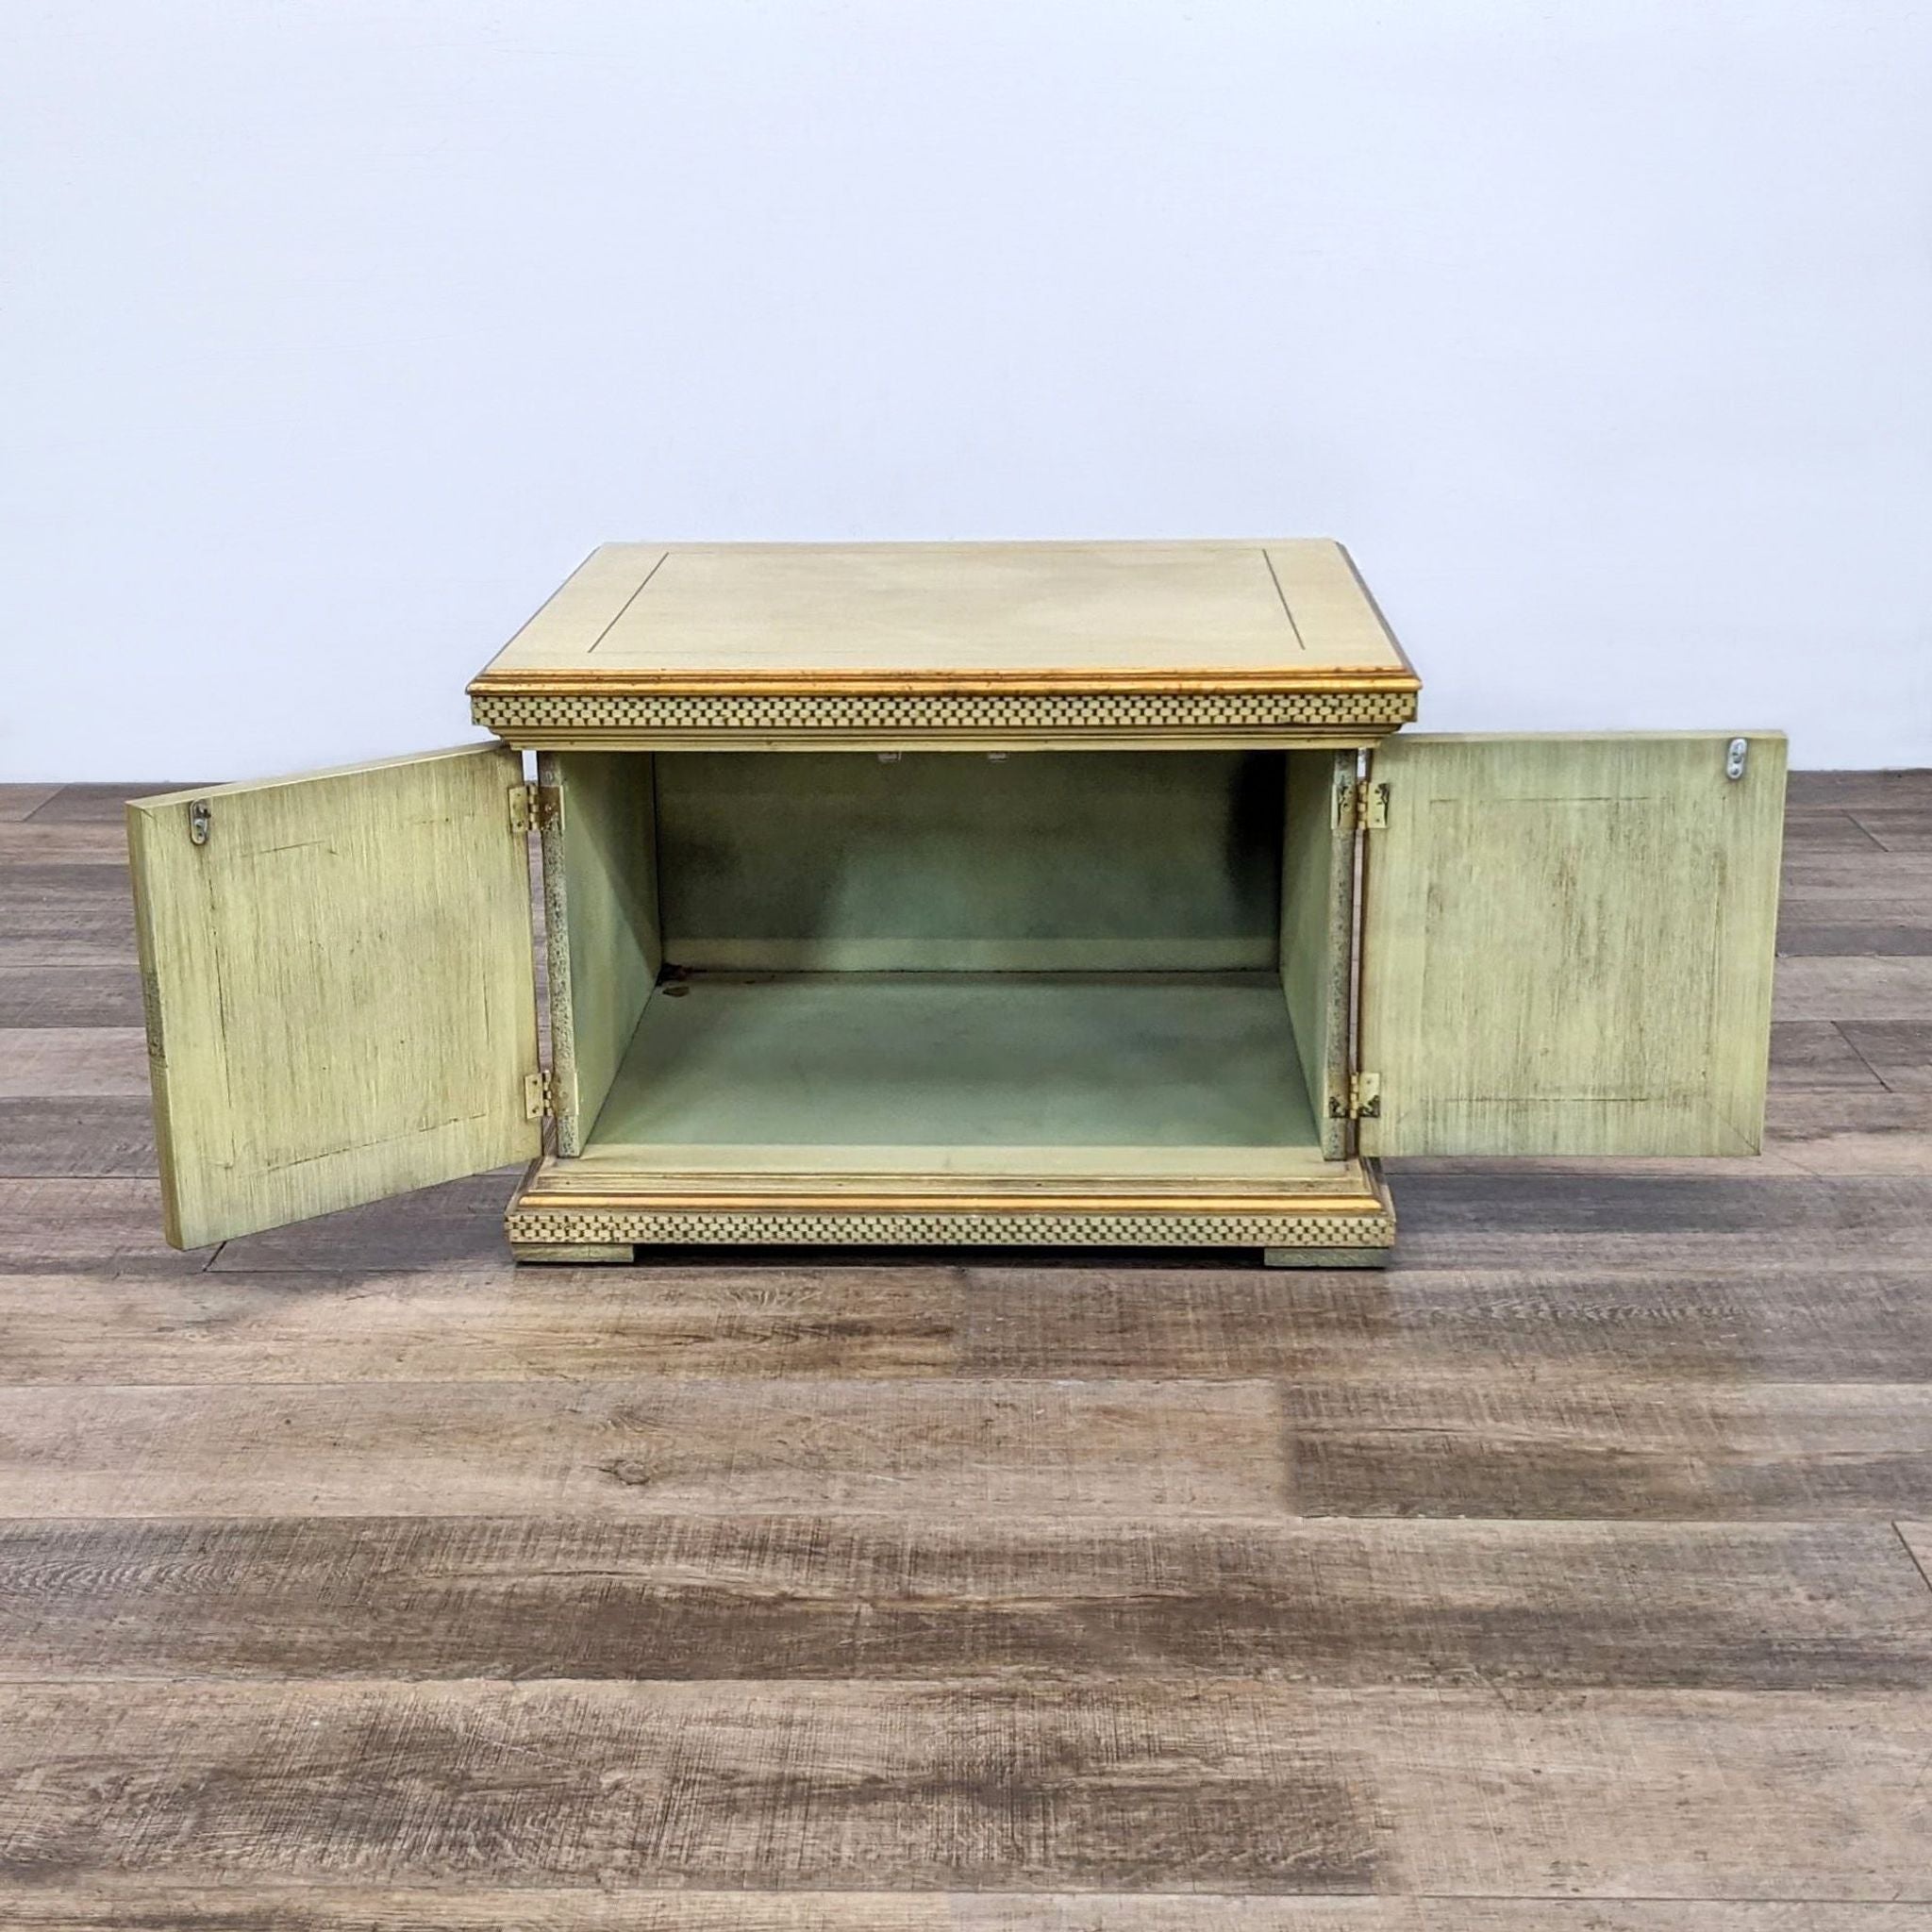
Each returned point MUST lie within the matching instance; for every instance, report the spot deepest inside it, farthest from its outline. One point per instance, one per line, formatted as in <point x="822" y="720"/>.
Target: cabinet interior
<point x="1047" y="963"/>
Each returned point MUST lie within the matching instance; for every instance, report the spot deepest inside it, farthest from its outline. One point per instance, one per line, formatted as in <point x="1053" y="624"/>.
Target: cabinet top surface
<point x="1287" y="614"/>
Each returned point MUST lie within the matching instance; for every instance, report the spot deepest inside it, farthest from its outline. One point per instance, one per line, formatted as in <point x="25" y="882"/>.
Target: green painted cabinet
<point x="1014" y="894"/>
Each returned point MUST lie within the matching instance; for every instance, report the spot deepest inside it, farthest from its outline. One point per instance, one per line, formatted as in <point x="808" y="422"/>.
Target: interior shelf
<point x="1123" y="1072"/>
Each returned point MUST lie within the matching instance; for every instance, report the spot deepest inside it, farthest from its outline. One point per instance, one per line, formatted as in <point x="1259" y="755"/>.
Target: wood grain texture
<point x="626" y="1448"/>
<point x="1886" y="878"/>
<point x="1666" y="1310"/>
<point x="1636" y="1220"/>
<point x="1538" y="1446"/>
<point x="488" y="1322"/>
<point x="88" y="1139"/>
<point x="1906" y="829"/>
<point x="1657" y="1314"/>
<point x="605" y="945"/>
<point x="1073" y="1665"/>
<point x="1813" y="829"/>
<point x="1274" y="614"/>
<point x="65" y="915"/>
<point x="1868" y="1130"/>
<point x="343" y="998"/>
<point x="78" y="997"/>
<point x="1521" y="1444"/>
<point x="1661" y="1794"/>
<point x="1089" y="1912"/>
<point x="1768" y="1608"/>
<point x="1504" y="1197"/>
<point x="1856" y="791"/>
<point x="1568" y="944"/>
<point x="72" y="1062"/>
<point x="100" y="804"/>
<point x="920" y="1786"/>
<point x="1812" y="1053"/>
<point x="456" y="1225"/>
<point x="1891" y="990"/>
<point x="1899" y="1052"/>
<point x="22" y="801"/>
<point x="1668" y="1915"/>
<point x="141" y="1907"/>
<point x="1206" y="1785"/>
<point x="57" y="1224"/>
<point x="1837" y="936"/>
<point x="1853" y="1133"/>
<point x="1100" y="1912"/>
<point x="50" y="842"/>
<point x="1877" y="879"/>
<point x="1917" y="1538"/>
<point x="1660" y="1198"/>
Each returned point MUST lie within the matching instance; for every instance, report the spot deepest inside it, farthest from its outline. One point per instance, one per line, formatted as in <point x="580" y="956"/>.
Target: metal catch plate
<point x="1735" y="754"/>
<point x="199" y="818"/>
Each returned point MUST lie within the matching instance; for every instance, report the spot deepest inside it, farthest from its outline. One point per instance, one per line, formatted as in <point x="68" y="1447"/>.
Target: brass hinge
<point x="540" y="1096"/>
<point x="533" y="807"/>
<point x="1364" y="1100"/>
<point x="1341" y="808"/>
<point x="1360" y="804"/>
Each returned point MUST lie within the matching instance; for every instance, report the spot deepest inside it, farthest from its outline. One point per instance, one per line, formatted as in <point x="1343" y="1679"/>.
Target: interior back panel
<point x="1087" y="861"/>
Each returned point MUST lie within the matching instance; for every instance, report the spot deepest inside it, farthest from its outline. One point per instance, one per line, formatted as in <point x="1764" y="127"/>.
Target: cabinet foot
<point x="575" y="1253"/>
<point x="1324" y="1257"/>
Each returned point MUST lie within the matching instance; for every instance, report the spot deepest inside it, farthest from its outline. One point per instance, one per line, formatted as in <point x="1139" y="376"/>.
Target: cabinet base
<point x="1325" y="1257"/>
<point x="575" y="1253"/>
<point x="546" y="1222"/>
<point x="622" y="1254"/>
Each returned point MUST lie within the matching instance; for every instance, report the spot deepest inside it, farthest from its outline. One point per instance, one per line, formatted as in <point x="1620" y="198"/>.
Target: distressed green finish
<point x="1317" y="906"/>
<point x="967" y="1059"/>
<point x="1047" y="882"/>
<point x="949" y="861"/>
<point x="1326" y="1258"/>
<point x="340" y="986"/>
<point x="600" y="872"/>
<point x="1568" y="944"/>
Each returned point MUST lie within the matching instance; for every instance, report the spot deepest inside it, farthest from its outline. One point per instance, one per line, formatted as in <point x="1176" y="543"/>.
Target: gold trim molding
<point x="953" y="1200"/>
<point x="1168" y="711"/>
<point x="576" y="1224"/>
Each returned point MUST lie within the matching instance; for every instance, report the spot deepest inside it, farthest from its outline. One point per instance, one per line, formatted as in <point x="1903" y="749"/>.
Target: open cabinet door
<point x="1567" y="943"/>
<point x="338" y="977"/>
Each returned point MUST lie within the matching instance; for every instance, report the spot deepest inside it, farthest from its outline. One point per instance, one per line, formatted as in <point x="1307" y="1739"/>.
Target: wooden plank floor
<point x="1573" y="1574"/>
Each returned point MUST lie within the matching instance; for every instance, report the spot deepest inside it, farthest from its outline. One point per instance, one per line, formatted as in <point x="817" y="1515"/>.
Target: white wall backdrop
<point x="335" y="332"/>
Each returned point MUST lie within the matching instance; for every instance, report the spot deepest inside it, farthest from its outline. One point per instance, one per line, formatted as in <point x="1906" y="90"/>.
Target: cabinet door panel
<point x="338" y="987"/>
<point x="1568" y="944"/>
